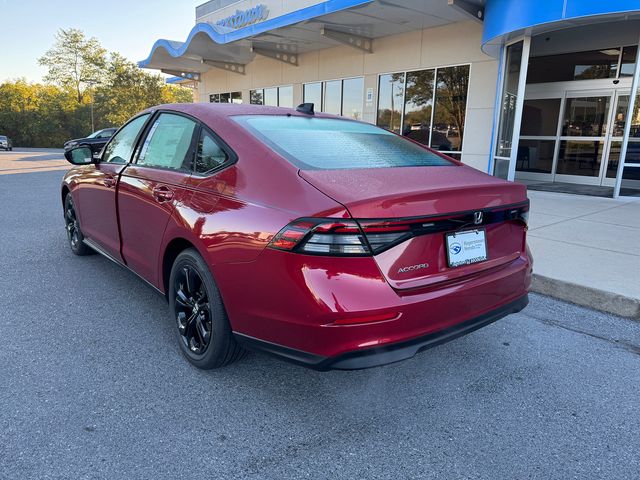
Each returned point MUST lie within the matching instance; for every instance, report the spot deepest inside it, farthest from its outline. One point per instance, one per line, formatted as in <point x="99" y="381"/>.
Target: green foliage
<point x="126" y="89"/>
<point x="37" y="115"/>
<point x="74" y="61"/>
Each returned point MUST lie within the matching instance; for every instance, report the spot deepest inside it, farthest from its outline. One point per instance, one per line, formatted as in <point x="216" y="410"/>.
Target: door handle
<point x="109" y="182"/>
<point x="162" y="194"/>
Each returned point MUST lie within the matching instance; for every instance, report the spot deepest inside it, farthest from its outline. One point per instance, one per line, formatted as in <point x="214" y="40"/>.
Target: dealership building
<point x="540" y="91"/>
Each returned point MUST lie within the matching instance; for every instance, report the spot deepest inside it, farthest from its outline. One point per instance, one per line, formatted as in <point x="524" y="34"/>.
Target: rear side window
<point x="326" y="143"/>
<point x="209" y="155"/>
<point x="168" y="142"/>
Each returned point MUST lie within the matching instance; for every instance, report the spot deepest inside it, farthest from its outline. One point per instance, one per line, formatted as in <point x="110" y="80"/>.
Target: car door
<point x="150" y="188"/>
<point x="96" y="192"/>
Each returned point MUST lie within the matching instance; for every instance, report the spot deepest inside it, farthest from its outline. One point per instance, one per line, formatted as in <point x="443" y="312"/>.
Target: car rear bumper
<point x="388" y="353"/>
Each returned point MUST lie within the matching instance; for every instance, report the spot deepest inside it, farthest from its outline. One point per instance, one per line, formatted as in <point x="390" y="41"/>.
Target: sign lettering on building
<point x="247" y="17"/>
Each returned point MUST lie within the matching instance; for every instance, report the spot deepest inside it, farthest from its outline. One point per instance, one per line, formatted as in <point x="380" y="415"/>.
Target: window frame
<point x="189" y="156"/>
<point x="232" y="157"/>
<point x="136" y="142"/>
<point x="190" y="169"/>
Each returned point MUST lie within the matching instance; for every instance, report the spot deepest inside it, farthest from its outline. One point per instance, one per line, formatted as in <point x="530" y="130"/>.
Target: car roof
<point x="212" y="111"/>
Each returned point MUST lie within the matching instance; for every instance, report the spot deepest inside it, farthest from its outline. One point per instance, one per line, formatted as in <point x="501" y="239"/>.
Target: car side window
<point x="168" y="142"/>
<point x="209" y="154"/>
<point x="120" y="148"/>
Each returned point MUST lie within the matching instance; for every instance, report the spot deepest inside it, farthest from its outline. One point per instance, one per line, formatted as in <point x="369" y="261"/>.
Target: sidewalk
<point x="586" y="250"/>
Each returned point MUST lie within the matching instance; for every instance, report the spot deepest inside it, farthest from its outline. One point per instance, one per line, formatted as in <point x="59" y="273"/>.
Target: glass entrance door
<point x="574" y="136"/>
<point x="584" y="138"/>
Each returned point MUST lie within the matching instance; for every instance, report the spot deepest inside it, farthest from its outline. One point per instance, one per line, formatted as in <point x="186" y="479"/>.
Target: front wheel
<point x="203" y="329"/>
<point x="74" y="234"/>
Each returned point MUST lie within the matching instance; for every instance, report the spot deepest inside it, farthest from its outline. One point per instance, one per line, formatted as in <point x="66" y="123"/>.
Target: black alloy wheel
<point x="204" y="333"/>
<point x="193" y="312"/>
<point x="74" y="234"/>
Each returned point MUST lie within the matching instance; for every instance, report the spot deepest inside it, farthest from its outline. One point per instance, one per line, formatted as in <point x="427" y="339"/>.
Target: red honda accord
<point x="328" y="242"/>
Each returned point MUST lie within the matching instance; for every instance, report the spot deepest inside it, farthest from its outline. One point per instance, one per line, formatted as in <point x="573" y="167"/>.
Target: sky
<point x="129" y="27"/>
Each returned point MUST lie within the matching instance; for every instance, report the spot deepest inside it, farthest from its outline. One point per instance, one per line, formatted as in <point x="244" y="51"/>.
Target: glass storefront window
<point x="390" y="93"/>
<point x="452" y="84"/>
<point x="232" y="97"/>
<point x="339" y="97"/>
<point x="630" y="180"/>
<point x="312" y="93"/>
<point x="508" y="109"/>
<point x="418" y="105"/>
<point x="352" y="91"/>
<point x="285" y="96"/>
<point x="540" y="117"/>
<point x="333" y="97"/>
<point x="256" y="97"/>
<point x="580" y="157"/>
<point x="633" y="155"/>
<point x="535" y="156"/>
<point x="589" y="65"/>
<point x="271" y="97"/>
<point x="430" y="104"/>
<point x="620" y="118"/>
<point x="574" y="66"/>
<point x="634" y="131"/>
<point x="586" y="116"/>
<point x="628" y="63"/>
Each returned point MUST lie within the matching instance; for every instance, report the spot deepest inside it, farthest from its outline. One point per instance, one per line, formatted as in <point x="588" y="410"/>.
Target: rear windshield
<point x="329" y="143"/>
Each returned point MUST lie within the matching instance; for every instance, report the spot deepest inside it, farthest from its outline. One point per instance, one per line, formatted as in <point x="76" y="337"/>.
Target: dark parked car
<point x="329" y="242"/>
<point x="96" y="140"/>
<point x="5" y="143"/>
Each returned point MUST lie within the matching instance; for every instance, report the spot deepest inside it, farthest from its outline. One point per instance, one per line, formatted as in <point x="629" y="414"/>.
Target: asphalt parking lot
<point x="93" y="385"/>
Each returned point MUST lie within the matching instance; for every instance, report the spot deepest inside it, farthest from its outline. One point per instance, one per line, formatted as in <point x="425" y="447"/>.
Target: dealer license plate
<point x="465" y="248"/>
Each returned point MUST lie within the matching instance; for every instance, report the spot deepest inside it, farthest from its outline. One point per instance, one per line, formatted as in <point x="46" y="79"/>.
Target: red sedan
<point x="328" y="242"/>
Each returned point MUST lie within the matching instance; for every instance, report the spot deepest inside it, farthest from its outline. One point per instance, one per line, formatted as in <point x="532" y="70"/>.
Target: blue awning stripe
<point x="291" y="18"/>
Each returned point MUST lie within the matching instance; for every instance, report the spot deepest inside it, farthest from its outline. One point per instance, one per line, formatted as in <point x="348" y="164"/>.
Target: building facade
<point x="538" y="91"/>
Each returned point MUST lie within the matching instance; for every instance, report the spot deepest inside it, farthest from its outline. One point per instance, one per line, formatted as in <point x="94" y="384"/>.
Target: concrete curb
<point x="586" y="296"/>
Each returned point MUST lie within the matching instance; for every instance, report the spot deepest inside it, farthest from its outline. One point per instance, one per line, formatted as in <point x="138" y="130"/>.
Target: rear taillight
<point x="336" y="237"/>
<point x="322" y="236"/>
<point x="521" y="214"/>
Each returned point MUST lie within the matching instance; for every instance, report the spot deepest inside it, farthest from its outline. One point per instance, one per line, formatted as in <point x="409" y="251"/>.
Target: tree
<point x="126" y="89"/>
<point x="74" y="62"/>
<point x="36" y="115"/>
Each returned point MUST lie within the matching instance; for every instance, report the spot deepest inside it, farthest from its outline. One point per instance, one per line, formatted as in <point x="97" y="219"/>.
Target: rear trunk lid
<point x="406" y="214"/>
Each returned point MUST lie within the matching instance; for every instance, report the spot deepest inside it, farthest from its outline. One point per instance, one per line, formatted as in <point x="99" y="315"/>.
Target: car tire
<point x="74" y="233"/>
<point x="202" y="325"/>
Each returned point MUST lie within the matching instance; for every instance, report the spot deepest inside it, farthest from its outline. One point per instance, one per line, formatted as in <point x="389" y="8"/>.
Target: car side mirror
<point x="80" y="156"/>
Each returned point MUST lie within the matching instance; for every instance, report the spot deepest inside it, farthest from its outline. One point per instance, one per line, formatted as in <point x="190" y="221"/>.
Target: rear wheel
<point x="74" y="234"/>
<point x="203" y="329"/>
